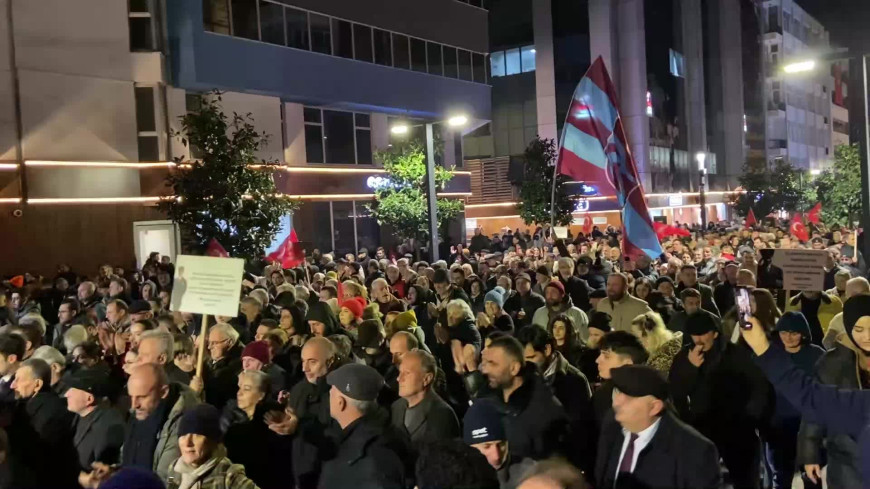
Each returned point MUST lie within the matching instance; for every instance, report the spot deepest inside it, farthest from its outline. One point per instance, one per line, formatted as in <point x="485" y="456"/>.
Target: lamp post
<point x="860" y="119"/>
<point x="431" y="197"/>
<point x="700" y="156"/>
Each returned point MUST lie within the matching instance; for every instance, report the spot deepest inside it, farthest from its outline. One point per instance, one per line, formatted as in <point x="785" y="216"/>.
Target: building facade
<point x="92" y="97"/>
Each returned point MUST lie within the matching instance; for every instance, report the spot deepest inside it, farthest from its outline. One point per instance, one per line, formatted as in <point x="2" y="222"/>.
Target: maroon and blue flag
<point x="594" y="150"/>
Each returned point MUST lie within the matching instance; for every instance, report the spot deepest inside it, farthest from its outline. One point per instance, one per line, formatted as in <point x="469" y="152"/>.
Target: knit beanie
<point x="404" y="321"/>
<point x="557" y="285"/>
<point x="133" y="478"/>
<point x="495" y="295"/>
<point x="600" y="320"/>
<point x="258" y="350"/>
<point x="483" y="422"/>
<point x="370" y="333"/>
<point x="855" y="308"/>
<point x="202" y="419"/>
<point x="371" y="311"/>
<point x="355" y="306"/>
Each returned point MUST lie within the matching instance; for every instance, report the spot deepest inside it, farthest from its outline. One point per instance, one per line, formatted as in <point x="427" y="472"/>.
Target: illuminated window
<point x="677" y="64"/>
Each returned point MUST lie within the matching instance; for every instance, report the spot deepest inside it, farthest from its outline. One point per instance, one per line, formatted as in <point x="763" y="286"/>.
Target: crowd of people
<point x="521" y="361"/>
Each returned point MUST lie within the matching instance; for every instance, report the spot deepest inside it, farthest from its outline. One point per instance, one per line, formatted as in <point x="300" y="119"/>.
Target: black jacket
<point x="98" y="437"/>
<point x="529" y="303"/>
<point x="536" y="424"/>
<point x="317" y="434"/>
<point x="578" y="290"/>
<point x="836" y="367"/>
<point x="264" y="453"/>
<point x="571" y="388"/>
<point x="707" y="302"/>
<point x="437" y="421"/>
<point x="371" y="455"/>
<point x="222" y="377"/>
<point x="723" y="296"/>
<point x="677" y="457"/>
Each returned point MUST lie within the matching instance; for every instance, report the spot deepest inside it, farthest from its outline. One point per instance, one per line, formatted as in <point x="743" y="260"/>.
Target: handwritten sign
<point x="207" y="285"/>
<point x="801" y="269"/>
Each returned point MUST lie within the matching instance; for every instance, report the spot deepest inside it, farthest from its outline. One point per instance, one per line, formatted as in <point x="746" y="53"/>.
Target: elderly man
<point x="522" y="305"/>
<point x="221" y="374"/>
<point x="90" y="300"/>
<point x="57" y="362"/>
<point x="558" y="302"/>
<point x="99" y="429"/>
<point x="723" y="294"/>
<point x="370" y="454"/>
<point x="140" y="310"/>
<point x="420" y="412"/>
<point x="383" y="296"/>
<point x="621" y="306"/>
<point x="158" y="347"/>
<point x="645" y="445"/>
<point x="401" y="343"/>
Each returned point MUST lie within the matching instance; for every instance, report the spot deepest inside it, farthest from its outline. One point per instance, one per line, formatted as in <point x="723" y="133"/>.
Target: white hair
<point x="74" y="336"/>
<point x="260" y="294"/>
<point x="259" y="378"/>
<point x="49" y="355"/>
<point x="226" y="330"/>
<point x="364" y="407"/>
<point x="35" y="319"/>
<point x="461" y="304"/>
<point x="164" y="339"/>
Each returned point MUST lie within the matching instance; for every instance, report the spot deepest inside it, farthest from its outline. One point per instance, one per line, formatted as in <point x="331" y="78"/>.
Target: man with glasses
<point x="222" y="369"/>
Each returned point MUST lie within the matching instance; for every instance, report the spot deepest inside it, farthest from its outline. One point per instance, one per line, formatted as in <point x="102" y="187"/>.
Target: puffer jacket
<point x="838" y="367"/>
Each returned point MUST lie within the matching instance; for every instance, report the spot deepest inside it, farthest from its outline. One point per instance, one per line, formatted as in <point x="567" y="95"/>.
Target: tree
<point x="536" y="190"/>
<point x="780" y="187"/>
<point x="400" y="202"/>
<point x="221" y="196"/>
<point x="839" y="187"/>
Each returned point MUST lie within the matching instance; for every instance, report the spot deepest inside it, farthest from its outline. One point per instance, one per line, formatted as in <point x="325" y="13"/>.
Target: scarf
<point x="190" y="476"/>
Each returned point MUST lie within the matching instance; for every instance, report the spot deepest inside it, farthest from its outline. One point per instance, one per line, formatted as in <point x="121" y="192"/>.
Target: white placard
<point x="801" y="269"/>
<point x="599" y="220"/>
<point x="560" y="232"/>
<point x="675" y="200"/>
<point x="207" y="285"/>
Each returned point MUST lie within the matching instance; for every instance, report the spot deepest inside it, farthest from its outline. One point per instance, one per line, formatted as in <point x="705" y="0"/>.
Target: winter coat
<point x="663" y="358"/>
<point x="572" y="390"/>
<point x="677" y="457"/>
<point x="263" y="453"/>
<point x="223" y="475"/>
<point x="578" y="290"/>
<point x="317" y="434"/>
<point x="838" y="367"/>
<point x="370" y="455"/>
<point x="528" y="303"/>
<point x="544" y="315"/>
<point x="98" y="437"/>
<point x="706" y="291"/>
<point x="437" y="419"/>
<point x="221" y="377"/>
<point x="623" y="312"/>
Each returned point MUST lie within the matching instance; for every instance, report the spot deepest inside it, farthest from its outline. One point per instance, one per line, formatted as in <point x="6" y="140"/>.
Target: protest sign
<point x="207" y="285"/>
<point x="792" y="269"/>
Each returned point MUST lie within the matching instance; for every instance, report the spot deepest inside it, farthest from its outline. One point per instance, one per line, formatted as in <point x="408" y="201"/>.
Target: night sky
<point x="848" y="21"/>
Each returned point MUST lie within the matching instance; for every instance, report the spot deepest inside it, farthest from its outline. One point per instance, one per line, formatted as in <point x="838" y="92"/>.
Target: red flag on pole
<point x="288" y="254"/>
<point x="798" y="229"/>
<point x="813" y="214"/>
<point x="750" y="219"/>
<point x="215" y="249"/>
<point x="665" y="230"/>
<point x="587" y="224"/>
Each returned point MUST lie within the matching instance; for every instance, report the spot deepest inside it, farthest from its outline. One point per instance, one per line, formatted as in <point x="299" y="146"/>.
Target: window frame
<point x="324" y="136"/>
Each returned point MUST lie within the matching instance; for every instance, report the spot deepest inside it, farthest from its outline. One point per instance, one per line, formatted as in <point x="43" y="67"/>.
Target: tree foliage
<point x="778" y="187"/>
<point x="839" y="187"/>
<point x="401" y="203"/>
<point x="537" y="187"/>
<point x="220" y="196"/>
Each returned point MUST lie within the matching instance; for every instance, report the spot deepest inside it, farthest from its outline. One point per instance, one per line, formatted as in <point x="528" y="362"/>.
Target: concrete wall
<point x="266" y="115"/>
<point x="545" y="84"/>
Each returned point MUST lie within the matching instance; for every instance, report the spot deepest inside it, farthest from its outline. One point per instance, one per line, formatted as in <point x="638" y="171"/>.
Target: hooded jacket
<point x="321" y="312"/>
<point x="828" y="308"/>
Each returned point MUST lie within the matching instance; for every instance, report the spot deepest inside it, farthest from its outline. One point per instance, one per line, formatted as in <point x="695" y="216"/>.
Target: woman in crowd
<point x="477" y="294"/>
<point x="642" y="288"/>
<point x="568" y="341"/>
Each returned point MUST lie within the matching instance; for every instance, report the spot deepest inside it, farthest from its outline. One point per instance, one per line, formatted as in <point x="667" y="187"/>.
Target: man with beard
<point x="621" y="306"/>
<point x="522" y="305"/>
<point x="558" y="302"/>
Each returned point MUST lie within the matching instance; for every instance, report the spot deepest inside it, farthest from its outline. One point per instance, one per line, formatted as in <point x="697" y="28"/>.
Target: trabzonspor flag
<point x="594" y="149"/>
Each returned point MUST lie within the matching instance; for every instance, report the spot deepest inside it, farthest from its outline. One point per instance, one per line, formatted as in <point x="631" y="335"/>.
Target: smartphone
<point x="744" y="308"/>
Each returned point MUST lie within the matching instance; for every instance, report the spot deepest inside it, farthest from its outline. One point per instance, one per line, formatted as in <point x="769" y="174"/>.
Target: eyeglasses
<point x="215" y="343"/>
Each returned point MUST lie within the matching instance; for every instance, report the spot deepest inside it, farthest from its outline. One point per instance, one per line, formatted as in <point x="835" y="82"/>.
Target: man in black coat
<point x="688" y="278"/>
<point x="522" y="305"/>
<point x="371" y="454"/>
<point x="40" y="437"/>
<point x="660" y="450"/>
<point x="224" y="365"/>
<point x="575" y="287"/>
<point x="98" y="428"/>
<point x="723" y="294"/>
<point x="420" y="413"/>
<point x="536" y="424"/>
<point x="718" y="389"/>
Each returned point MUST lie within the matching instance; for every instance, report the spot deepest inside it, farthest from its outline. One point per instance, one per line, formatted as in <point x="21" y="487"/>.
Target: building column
<point x="545" y="85"/>
<point x="602" y="27"/>
<point x="631" y="82"/>
<point x="733" y="152"/>
<point x="693" y="45"/>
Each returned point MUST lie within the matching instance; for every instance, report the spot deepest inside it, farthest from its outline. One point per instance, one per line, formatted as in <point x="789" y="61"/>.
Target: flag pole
<point x="553" y="199"/>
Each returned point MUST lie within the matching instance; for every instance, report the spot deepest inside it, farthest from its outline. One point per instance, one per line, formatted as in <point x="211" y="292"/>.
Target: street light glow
<point x="700" y="156"/>
<point x="457" y="120"/>
<point x="800" y="66"/>
<point x="399" y="129"/>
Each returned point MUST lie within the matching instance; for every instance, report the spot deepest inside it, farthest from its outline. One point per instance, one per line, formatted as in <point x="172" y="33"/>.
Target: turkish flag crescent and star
<point x="288" y="254"/>
<point x="587" y="224"/>
<point x="798" y="229"/>
<point x="215" y="249"/>
<point x="813" y="214"/>
<point x="750" y="219"/>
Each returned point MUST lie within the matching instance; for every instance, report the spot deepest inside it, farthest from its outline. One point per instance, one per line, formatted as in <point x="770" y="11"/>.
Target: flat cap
<point x="356" y="381"/>
<point x="640" y="381"/>
<point x="90" y="380"/>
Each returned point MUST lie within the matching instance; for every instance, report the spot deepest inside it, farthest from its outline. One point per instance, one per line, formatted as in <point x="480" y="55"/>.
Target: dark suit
<point x="436" y="421"/>
<point x="676" y="457"/>
<point x="99" y="436"/>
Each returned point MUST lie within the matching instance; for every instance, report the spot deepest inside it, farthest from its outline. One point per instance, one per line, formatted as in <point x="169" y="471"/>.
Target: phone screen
<point x="744" y="308"/>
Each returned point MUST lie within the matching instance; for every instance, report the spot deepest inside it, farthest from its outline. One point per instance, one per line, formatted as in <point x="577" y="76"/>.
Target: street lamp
<point x="454" y="121"/>
<point x="700" y="156"/>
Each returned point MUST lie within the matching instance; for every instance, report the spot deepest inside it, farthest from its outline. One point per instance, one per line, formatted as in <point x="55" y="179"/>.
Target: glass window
<point x="245" y="18"/>
<point x="338" y="134"/>
<point x="433" y="50"/>
<point x="310" y="114"/>
<point x="496" y="62"/>
<point x="362" y="120"/>
<point x="342" y="226"/>
<point x="138" y="5"/>
<point x="141" y="37"/>
<point x="464" y="65"/>
<point x="477" y="63"/>
<point x="401" y="56"/>
<point x="512" y="61"/>
<point x="145" y="109"/>
<point x="342" y="42"/>
<point x="272" y="22"/>
<point x="362" y="42"/>
<point x="192" y="102"/>
<point x="216" y="16"/>
<point x="363" y="146"/>
<point x="297" y="28"/>
<point x="677" y="65"/>
<point x="383" y="55"/>
<point x="368" y="232"/>
<point x="418" y="55"/>
<point x="149" y="148"/>
<point x="320" y="34"/>
<point x="311" y="221"/>
<point x="314" y="143"/>
<point x="527" y="58"/>
<point x="450" y="68"/>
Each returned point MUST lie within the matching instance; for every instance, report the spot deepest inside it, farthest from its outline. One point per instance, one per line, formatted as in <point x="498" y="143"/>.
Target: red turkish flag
<point x="665" y="230"/>
<point x="813" y="214"/>
<point x="750" y="219"/>
<point x="587" y="224"/>
<point x="798" y="229"/>
<point x="215" y="249"/>
<point x="288" y="254"/>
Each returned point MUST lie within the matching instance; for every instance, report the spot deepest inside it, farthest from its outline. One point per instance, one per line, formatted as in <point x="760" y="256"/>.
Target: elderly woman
<point x="254" y="387"/>
<point x="203" y="462"/>
<point x="661" y="343"/>
<point x="463" y="334"/>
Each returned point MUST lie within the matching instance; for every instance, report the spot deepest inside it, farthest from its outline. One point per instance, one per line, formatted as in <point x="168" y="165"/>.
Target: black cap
<point x="699" y="323"/>
<point x="202" y="419"/>
<point x="640" y="381"/>
<point x="584" y="260"/>
<point x="600" y="320"/>
<point x="356" y="381"/>
<point x="90" y="380"/>
<point x="598" y="294"/>
<point x="483" y="422"/>
<point x="139" y="306"/>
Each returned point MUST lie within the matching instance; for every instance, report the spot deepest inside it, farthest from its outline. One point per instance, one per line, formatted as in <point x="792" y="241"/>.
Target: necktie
<point x="628" y="458"/>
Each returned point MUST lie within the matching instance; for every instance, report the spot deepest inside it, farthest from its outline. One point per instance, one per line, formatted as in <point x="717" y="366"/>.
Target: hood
<point x="321" y="312"/>
<point x="795" y="322"/>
